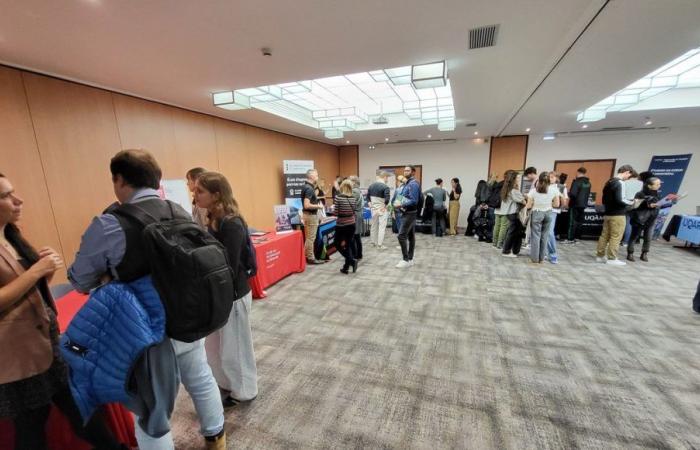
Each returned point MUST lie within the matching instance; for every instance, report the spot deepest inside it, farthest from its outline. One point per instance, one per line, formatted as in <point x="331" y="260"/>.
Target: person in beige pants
<point x="311" y="205"/>
<point x="615" y="217"/>
<point x="455" y="194"/>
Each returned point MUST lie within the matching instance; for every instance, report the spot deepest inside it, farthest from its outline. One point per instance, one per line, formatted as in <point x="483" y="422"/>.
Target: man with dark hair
<point x="409" y="210"/>
<point x="529" y="179"/>
<point x="198" y="214"/>
<point x="615" y="212"/>
<point x="378" y="197"/>
<point x="578" y="201"/>
<point x="112" y="248"/>
<point x="439" y="204"/>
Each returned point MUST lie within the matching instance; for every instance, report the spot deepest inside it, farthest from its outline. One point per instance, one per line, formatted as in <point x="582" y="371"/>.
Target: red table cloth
<point x="58" y="431"/>
<point x="278" y="255"/>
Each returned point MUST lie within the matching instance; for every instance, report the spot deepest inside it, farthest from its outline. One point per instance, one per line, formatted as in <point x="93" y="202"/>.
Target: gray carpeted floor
<point x="468" y="349"/>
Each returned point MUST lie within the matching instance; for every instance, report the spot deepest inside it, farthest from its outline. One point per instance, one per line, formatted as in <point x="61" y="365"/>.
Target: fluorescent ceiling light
<point x="354" y="102"/>
<point x="548" y="137"/>
<point x="673" y="85"/>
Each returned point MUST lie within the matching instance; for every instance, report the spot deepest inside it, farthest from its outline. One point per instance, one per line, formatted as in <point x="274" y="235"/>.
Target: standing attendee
<point x="561" y="228"/>
<point x="614" y="221"/>
<point x="396" y="200"/>
<point x="320" y="191"/>
<point x="560" y="190"/>
<point x="33" y="375"/>
<point x="475" y="211"/>
<point x="631" y="187"/>
<point x="359" y="216"/>
<point x="113" y="247"/>
<point x="310" y="206"/>
<point x="643" y="217"/>
<point x="578" y="201"/>
<point x="379" y="196"/>
<point x="345" y="225"/>
<point x="500" y="227"/>
<point x="455" y="195"/>
<point x="541" y="201"/>
<point x="512" y="200"/>
<point x="529" y="179"/>
<point x="409" y="210"/>
<point x="696" y="300"/>
<point x="336" y="186"/>
<point x="199" y="215"/>
<point x="439" y="203"/>
<point x="230" y="349"/>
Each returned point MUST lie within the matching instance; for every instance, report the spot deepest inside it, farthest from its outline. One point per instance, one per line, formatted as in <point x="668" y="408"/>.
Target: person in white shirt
<point x="631" y="187"/>
<point x="560" y="190"/>
<point x="541" y="201"/>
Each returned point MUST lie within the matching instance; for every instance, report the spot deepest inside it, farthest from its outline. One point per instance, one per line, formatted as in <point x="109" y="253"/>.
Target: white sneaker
<point x="381" y="247"/>
<point x="600" y="259"/>
<point x="616" y="262"/>
<point x="411" y="263"/>
<point x="403" y="264"/>
<point x="509" y="255"/>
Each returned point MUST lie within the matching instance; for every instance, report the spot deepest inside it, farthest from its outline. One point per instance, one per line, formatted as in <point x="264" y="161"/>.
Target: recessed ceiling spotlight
<point x="584" y="126"/>
<point x="476" y="133"/>
<point x="429" y="136"/>
<point x="386" y="139"/>
<point x="647" y="121"/>
<point x="371" y="147"/>
<point x="347" y="142"/>
<point x="527" y="130"/>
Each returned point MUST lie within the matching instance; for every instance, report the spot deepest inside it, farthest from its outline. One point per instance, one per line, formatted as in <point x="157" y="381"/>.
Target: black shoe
<point x="630" y="257"/>
<point x="230" y="402"/>
<point x="354" y="266"/>
<point x="644" y="257"/>
<point x="344" y="270"/>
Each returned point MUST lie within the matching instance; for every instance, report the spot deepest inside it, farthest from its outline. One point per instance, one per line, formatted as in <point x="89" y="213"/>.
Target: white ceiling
<point x="179" y="51"/>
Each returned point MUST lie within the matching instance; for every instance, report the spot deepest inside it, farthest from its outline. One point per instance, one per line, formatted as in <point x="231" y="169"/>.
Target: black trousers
<point x="696" y="300"/>
<point x="345" y="243"/>
<point x="576" y="215"/>
<point x="407" y="235"/>
<point x="439" y="223"/>
<point x="637" y="231"/>
<point x="29" y="425"/>
<point x="470" y="221"/>
<point x="357" y="246"/>
<point x="514" y="235"/>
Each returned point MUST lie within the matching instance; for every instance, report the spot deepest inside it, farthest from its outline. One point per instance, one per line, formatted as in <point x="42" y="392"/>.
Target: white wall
<point x="463" y="159"/>
<point x="634" y="149"/>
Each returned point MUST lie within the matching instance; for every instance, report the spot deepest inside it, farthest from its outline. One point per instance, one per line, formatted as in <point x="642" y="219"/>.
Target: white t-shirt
<point x="543" y="202"/>
<point x="562" y="195"/>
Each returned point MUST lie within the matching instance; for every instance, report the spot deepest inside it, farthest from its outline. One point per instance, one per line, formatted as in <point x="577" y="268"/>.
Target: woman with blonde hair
<point x="345" y="225"/>
<point x="230" y="349"/>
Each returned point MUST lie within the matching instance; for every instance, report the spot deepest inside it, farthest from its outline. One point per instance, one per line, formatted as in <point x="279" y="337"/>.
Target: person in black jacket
<point x="615" y="213"/>
<point x="479" y="195"/>
<point x="578" y="200"/>
<point x="696" y="300"/>
<point x="230" y="349"/>
<point x="643" y="217"/>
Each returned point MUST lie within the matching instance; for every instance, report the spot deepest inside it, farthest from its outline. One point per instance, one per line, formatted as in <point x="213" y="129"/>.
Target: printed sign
<point x="294" y="179"/>
<point x="283" y="223"/>
<point x="671" y="169"/>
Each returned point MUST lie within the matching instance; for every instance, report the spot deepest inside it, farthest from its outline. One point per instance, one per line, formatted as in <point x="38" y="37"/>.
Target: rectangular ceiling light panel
<point x="681" y="73"/>
<point x="406" y="96"/>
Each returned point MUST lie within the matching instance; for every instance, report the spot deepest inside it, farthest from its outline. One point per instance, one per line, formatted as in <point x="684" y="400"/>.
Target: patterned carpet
<point x="468" y="349"/>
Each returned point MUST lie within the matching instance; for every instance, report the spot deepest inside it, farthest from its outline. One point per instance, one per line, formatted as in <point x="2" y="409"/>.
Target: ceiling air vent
<point x="469" y="125"/>
<point x="483" y="37"/>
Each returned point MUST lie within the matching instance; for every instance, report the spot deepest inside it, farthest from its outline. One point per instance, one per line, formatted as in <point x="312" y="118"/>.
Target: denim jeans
<point x="552" y="242"/>
<point x="539" y="234"/>
<point x="196" y="376"/>
<point x="628" y="230"/>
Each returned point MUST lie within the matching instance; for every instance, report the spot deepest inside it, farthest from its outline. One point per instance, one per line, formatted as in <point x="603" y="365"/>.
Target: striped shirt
<point x="345" y="210"/>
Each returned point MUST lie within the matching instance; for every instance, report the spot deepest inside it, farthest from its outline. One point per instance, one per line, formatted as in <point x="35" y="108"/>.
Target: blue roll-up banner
<point x="671" y="169"/>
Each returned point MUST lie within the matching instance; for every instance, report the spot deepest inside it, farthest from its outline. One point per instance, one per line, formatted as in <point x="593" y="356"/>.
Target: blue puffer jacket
<point x="106" y="338"/>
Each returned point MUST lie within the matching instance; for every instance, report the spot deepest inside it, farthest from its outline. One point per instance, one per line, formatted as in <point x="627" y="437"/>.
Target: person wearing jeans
<point x="541" y="200"/>
<point x="615" y="217"/>
<point x="553" y="215"/>
<point x="511" y="201"/>
<point x="196" y="376"/>
<point x="409" y="207"/>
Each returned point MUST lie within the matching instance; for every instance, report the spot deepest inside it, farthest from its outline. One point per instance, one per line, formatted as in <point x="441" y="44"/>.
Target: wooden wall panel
<point x="147" y="125"/>
<point x="234" y="163"/>
<point x="348" y="160"/>
<point x="195" y="143"/>
<point x="507" y="152"/>
<point x="20" y="162"/>
<point x="76" y="132"/>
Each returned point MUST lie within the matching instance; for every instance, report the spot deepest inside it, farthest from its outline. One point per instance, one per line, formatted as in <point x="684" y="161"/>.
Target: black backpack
<point x="190" y="271"/>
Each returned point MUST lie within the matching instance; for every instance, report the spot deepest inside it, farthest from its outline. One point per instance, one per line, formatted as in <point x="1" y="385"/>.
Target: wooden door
<point x="599" y="171"/>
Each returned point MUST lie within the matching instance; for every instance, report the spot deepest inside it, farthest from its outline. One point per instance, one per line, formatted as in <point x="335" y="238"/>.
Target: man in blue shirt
<point x="106" y="253"/>
<point x="409" y="211"/>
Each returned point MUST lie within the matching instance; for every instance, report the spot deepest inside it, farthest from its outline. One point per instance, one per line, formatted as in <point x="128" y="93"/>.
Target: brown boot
<point x="217" y="442"/>
<point x="644" y="257"/>
<point x="630" y="257"/>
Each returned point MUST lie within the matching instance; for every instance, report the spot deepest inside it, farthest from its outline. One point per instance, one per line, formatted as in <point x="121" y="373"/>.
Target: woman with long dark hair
<point x="230" y="349"/>
<point x="541" y="201"/>
<point x="455" y="194"/>
<point x="511" y="202"/>
<point x="644" y="216"/>
<point x="33" y="374"/>
<point x="345" y="225"/>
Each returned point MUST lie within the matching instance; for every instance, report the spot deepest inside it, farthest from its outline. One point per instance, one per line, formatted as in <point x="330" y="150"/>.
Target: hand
<point x="653" y="205"/>
<point x="47" y="265"/>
